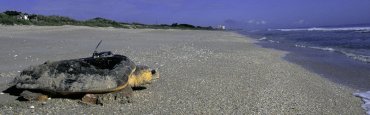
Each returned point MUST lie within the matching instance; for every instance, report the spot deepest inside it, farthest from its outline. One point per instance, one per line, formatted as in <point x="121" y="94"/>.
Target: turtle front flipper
<point x="121" y="97"/>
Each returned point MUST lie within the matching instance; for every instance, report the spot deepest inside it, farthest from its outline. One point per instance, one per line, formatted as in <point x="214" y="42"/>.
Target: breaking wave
<point x="346" y="52"/>
<point x="365" y="96"/>
<point x="362" y="58"/>
<point x="263" y="38"/>
<point x="269" y="40"/>
<point x="359" y="29"/>
<point x="323" y="48"/>
<point x="356" y="54"/>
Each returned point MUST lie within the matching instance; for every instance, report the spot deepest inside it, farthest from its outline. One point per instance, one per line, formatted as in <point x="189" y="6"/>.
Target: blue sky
<point x="239" y="13"/>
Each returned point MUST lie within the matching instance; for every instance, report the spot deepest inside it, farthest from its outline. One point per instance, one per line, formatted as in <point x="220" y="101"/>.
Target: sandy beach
<point x="201" y="72"/>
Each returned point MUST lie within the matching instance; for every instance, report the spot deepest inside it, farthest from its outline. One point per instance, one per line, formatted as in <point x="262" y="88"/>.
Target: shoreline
<point x="201" y="72"/>
<point x="330" y="65"/>
<point x="336" y="68"/>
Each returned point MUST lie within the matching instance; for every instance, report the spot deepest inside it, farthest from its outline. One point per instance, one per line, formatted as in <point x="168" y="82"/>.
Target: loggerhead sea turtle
<point x="94" y="79"/>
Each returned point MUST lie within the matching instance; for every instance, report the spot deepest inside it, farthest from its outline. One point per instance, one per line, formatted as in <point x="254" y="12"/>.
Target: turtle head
<point x="141" y="76"/>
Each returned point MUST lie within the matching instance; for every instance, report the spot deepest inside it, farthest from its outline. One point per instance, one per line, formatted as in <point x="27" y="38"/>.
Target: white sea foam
<point x="361" y="29"/>
<point x="359" y="57"/>
<point x="365" y="96"/>
<point x="316" y="47"/>
<point x="324" y="48"/>
<point x="355" y="56"/>
<point x="263" y="38"/>
<point x="272" y="41"/>
<point x="300" y="46"/>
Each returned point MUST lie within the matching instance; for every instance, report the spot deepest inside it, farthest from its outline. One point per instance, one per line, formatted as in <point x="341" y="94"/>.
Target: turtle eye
<point x="153" y="71"/>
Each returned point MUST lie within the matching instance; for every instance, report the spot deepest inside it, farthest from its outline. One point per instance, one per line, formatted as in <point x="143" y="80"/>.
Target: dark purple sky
<point x="248" y="13"/>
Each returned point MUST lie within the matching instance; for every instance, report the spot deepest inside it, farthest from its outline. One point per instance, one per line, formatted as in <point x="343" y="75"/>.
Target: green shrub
<point x="186" y="26"/>
<point x="7" y="22"/>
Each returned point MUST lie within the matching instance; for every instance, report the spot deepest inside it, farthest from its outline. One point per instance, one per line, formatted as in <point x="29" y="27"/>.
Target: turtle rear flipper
<point x="121" y="97"/>
<point x="13" y="90"/>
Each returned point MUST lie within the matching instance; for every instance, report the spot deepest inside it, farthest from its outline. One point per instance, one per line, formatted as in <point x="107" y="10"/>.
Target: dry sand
<point x="202" y="72"/>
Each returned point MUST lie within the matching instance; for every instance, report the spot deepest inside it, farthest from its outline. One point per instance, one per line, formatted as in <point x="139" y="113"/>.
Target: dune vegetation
<point x="20" y="18"/>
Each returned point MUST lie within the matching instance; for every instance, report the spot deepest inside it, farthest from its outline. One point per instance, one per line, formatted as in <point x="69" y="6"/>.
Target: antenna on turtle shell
<point x="97" y="54"/>
<point x="96" y="48"/>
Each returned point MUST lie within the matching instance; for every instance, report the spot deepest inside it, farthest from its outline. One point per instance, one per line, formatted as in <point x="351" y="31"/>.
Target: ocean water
<point x="341" y="55"/>
<point x="352" y="42"/>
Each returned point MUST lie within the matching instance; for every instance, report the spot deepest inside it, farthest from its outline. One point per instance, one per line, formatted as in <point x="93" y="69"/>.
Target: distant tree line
<point x="17" y="18"/>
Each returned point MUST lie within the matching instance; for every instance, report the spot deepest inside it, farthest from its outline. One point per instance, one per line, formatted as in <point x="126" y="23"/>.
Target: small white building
<point x="221" y="27"/>
<point x="23" y="17"/>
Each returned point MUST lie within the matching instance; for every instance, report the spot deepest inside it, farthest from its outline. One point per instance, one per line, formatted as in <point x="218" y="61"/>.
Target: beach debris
<point x="1" y="93"/>
<point x="98" y="79"/>
<point x="89" y="99"/>
<point x="32" y="107"/>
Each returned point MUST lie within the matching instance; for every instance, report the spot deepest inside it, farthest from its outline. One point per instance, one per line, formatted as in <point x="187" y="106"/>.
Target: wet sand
<point x="202" y="72"/>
